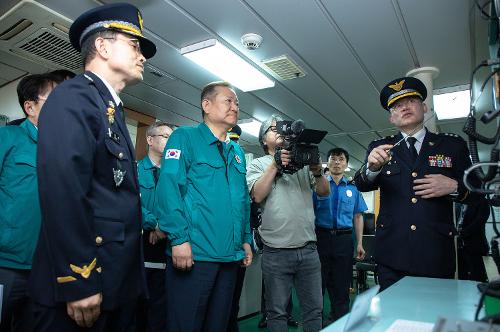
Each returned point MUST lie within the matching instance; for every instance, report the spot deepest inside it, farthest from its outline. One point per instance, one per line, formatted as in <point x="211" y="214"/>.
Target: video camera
<point x="301" y="143"/>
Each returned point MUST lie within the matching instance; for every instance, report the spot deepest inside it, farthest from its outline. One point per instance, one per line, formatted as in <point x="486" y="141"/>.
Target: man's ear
<point x="204" y="105"/>
<point x="149" y="140"/>
<point x="391" y="120"/>
<point x="426" y="108"/>
<point x="27" y="107"/>
<point x="101" y="47"/>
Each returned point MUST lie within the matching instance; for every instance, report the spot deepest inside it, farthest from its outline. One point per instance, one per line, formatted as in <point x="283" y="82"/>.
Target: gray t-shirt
<point x="287" y="212"/>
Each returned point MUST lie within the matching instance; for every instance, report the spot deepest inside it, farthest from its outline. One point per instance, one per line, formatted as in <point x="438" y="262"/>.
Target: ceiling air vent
<point x="32" y="32"/>
<point x="47" y="46"/>
<point x="15" y="29"/>
<point x="284" y="68"/>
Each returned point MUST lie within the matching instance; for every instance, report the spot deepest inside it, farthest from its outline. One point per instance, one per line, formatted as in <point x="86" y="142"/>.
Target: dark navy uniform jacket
<point x="416" y="235"/>
<point x="90" y="239"/>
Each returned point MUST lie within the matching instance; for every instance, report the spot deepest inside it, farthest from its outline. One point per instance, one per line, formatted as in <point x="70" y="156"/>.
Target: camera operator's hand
<point x="285" y="157"/>
<point x="316" y="169"/>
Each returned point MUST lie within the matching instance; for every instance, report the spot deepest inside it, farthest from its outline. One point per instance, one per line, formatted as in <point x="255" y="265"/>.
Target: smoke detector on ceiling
<point x="251" y="41"/>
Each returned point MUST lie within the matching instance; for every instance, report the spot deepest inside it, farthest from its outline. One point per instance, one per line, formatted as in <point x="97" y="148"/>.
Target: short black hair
<point x="88" y="50"/>
<point x="61" y="75"/>
<point x="337" y="152"/>
<point x="31" y="86"/>
<point x="209" y="91"/>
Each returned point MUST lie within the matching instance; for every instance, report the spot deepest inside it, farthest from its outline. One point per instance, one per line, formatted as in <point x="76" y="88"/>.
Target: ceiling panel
<point x="443" y="40"/>
<point x="328" y="60"/>
<point x="9" y="73"/>
<point x="372" y="25"/>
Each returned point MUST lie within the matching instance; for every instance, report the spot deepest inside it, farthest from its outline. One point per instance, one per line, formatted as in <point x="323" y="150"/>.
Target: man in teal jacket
<point x="151" y="314"/>
<point x="20" y="210"/>
<point x="204" y="208"/>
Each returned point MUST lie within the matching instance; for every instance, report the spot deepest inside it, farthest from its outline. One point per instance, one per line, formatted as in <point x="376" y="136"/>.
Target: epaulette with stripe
<point x="451" y="135"/>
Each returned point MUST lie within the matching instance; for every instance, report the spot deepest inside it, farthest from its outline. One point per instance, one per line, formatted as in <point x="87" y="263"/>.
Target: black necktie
<point x="413" y="150"/>
<point x="156" y="174"/>
<point x="121" y="112"/>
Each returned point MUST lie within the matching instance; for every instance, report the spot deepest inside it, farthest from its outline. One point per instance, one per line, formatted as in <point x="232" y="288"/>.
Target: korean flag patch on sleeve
<point x="173" y="154"/>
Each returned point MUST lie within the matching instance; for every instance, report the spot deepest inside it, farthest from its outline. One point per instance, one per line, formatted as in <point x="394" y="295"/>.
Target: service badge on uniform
<point x="440" y="160"/>
<point x="118" y="176"/>
<point x="348" y="192"/>
<point x="238" y="159"/>
<point x="110" y="112"/>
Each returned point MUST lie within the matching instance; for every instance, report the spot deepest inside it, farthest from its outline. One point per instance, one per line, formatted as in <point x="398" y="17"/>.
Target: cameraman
<point x="289" y="257"/>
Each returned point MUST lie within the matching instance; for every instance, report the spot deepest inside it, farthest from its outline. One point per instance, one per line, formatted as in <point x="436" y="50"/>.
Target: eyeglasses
<point x="337" y="160"/>
<point x="402" y="103"/>
<point x="164" y="136"/>
<point x="272" y="128"/>
<point x="134" y="42"/>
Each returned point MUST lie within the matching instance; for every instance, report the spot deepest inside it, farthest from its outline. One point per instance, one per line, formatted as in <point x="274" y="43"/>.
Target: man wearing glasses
<point x="419" y="177"/>
<point x="152" y="317"/>
<point x="289" y="256"/>
<point x="204" y="209"/>
<point x="19" y="225"/>
<point x="88" y="269"/>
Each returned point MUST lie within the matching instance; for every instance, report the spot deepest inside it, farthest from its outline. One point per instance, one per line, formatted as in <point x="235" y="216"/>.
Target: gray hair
<point x="265" y="126"/>
<point x="152" y="128"/>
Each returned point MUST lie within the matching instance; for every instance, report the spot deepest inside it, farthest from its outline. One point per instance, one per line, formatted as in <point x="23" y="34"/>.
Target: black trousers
<point x="151" y="313"/>
<point x="232" y="326"/>
<point x="471" y="266"/>
<point x="17" y="311"/>
<point x="200" y="299"/>
<point x="336" y="256"/>
<point x="52" y="319"/>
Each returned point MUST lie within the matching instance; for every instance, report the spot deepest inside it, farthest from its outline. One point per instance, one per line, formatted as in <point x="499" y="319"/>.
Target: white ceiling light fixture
<point x="452" y="103"/>
<point x="250" y="126"/>
<point x="224" y="63"/>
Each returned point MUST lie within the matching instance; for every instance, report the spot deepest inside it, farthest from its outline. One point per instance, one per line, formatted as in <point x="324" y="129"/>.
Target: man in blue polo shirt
<point x="335" y="217"/>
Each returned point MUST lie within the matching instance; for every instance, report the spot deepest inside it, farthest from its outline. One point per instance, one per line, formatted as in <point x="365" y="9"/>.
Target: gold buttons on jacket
<point x="120" y="155"/>
<point x="414" y="174"/>
<point x="98" y="240"/>
<point x="413" y="227"/>
<point x="413" y="200"/>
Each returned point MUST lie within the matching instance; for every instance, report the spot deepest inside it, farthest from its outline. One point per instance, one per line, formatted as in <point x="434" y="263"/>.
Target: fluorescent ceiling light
<point x="452" y="103"/>
<point x="250" y="126"/>
<point x="224" y="63"/>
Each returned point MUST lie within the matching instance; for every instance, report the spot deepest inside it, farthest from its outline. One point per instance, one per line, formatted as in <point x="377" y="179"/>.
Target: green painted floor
<point x="250" y="324"/>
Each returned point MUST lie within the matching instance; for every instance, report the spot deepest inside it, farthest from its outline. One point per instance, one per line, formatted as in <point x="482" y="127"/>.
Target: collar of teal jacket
<point x="147" y="163"/>
<point x="207" y="134"/>
<point x="30" y="129"/>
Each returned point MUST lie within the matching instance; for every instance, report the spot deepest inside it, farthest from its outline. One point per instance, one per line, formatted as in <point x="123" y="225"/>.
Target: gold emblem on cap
<point x="141" y="21"/>
<point x="397" y="86"/>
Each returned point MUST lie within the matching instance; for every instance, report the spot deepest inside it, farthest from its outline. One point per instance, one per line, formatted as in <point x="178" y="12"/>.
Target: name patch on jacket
<point x="440" y="160"/>
<point x="173" y="154"/>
